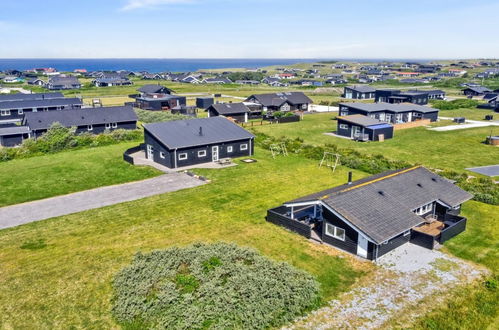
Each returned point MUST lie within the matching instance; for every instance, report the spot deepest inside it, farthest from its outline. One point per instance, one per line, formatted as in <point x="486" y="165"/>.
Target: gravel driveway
<point x="15" y="215"/>
<point x="406" y="276"/>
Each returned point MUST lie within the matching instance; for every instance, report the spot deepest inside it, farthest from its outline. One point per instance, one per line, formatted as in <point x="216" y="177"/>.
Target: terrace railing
<point x="455" y="225"/>
<point x="277" y="216"/>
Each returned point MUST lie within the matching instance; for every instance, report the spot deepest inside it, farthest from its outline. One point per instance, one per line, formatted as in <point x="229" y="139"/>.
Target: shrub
<point x="147" y="116"/>
<point x="454" y="104"/>
<point x="219" y="286"/>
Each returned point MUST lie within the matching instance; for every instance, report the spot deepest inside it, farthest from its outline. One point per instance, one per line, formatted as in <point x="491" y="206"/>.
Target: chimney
<point x="200" y="131"/>
<point x="349" y="177"/>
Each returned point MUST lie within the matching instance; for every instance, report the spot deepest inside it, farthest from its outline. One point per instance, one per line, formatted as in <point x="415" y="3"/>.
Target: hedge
<point x="59" y="138"/>
<point x="210" y="286"/>
<point x="484" y="189"/>
<point x="147" y="116"/>
<point x="454" y="104"/>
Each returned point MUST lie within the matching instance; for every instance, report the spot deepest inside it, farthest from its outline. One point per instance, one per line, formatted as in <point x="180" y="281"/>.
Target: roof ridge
<point x="375" y="180"/>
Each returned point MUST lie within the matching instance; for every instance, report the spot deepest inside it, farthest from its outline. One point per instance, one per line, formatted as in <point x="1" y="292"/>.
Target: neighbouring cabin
<point x="372" y="216"/>
<point x="237" y="111"/>
<point x="16" y="110"/>
<point x="359" y="92"/>
<point x="396" y="96"/>
<point x="363" y="128"/>
<point x="286" y="101"/>
<point x="36" y="82"/>
<point x="12" y="135"/>
<point x="63" y="82"/>
<point x="475" y="90"/>
<point x="390" y="113"/>
<point x="32" y="96"/>
<point x="112" y="81"/>
<point x="182" y="143"/>
<point x="157" y="102"/>
<point x="154" y="89"/>
<point x="89" y="120"/>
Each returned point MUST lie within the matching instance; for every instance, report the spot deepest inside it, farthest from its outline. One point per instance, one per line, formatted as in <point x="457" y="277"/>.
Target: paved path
<point x="15" y="215"/>
<point x="408" y="276"/>
<point x="468" y="124"/>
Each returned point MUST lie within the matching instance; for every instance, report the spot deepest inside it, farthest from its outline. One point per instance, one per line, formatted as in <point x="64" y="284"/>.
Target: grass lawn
<point x="61" y="278"/>
<point x="472" y="114"/>
<point x="62" y="173"/>
<point x="453" y="149"/>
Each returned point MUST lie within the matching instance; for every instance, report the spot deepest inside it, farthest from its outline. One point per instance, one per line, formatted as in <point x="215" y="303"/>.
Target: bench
<point x="224" y="161"/>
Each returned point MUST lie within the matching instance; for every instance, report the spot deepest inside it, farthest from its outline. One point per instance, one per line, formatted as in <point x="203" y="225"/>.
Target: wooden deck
<point x="434" y="228"/>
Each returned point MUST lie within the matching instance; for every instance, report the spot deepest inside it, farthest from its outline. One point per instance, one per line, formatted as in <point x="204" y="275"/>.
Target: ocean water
<point x="159" y="65"/>
<point x="150" y="65"/>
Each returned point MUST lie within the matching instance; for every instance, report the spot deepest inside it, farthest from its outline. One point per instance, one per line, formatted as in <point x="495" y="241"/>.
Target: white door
<point x="150" y="152"/>
<point x="362" y="246"/>
<point x="355" y="131"/>
<point x="214" y="153"/>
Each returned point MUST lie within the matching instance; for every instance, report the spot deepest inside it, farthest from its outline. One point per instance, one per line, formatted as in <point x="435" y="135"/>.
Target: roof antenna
<point x="200" y="131"/>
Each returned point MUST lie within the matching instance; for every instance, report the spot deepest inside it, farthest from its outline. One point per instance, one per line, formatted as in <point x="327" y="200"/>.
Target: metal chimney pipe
<point x="200" y="131"/>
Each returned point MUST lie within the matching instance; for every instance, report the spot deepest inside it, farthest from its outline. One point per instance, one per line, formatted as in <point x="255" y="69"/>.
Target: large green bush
<point x="210" y="286"/>
<point x="147" y="116"/>
<point x="454" y="104"/>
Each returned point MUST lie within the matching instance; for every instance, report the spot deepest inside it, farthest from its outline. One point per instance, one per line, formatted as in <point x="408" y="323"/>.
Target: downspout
<point x="175" y="155"/>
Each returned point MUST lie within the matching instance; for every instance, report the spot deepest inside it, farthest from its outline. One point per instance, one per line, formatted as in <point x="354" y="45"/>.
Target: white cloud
<point x="137" y="4"/>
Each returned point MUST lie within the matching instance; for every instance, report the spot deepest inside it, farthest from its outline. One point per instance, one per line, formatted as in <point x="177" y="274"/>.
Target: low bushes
<point x="147" y="116"/>
<point x="483" y="189"/>
<point x="59" y="138"/>
<point x="217" y="286"/>
<point x="454" y="104"/>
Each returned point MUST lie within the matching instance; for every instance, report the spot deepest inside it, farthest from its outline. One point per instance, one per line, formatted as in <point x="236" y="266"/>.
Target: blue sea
<point x="151" y="65"/>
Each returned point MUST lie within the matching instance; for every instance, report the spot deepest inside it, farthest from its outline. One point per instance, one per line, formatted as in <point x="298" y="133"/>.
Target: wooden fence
<point x="417" y="123"/>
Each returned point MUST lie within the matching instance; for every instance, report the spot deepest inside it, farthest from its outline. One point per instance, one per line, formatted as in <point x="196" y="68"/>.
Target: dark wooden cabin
<point x="372" y="216"/>
<point x="363" y="128"/>
<point x="390" y="113"/>
<point x="182" y="143"/>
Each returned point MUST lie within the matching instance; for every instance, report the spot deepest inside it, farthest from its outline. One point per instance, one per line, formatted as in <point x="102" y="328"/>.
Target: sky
<point x="331" y="29"/>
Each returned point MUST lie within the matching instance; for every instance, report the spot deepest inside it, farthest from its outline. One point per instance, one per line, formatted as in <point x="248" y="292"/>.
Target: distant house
<point x="12" y="135"/>
<point x="434" y="94"/>
<point x="182" y="143"/>
<point x="32" y="96"/>
<point x="152" y="76"/>
<point x="375" y="215"/>
<point x="359" y="92"/>
<point x="36" y="82"/>
<point x="154" y="89"/>
<point x="62" y="82"/>
<point x="397" y="96"/>
<point x="247" y="82"/>
<point x="390" y="113"/>
<point x="275" y="82"/>
<point x="16" y="110"/>
<point x="287" y="101"/>
<point x="237" y="111"/>
<point x="363" y="128"/>
<point x="475" y="90"/>
<point x="114" y="81"/>
<point x="12" y="79"/>
<point x="219" y="80"/>
<point x="160" y="101"/>
<point x="89" y="120"/>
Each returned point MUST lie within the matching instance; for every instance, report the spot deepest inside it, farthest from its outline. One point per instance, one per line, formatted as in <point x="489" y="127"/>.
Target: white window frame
<point x="114" y="125"/>
<point x="20" y="111"/>
<point x="230" y="149"/>
<point x="243" y="147"/>
<point x="108" y="125"/>
<point x="5" y="113"/>
<point x="201" y="153"/>
<point x="334" y="232"/>
<point x="90" y="128"/>
<point x="162" y="154"/>
<point x="343" y="126"/>
<point x="182" y="156"/>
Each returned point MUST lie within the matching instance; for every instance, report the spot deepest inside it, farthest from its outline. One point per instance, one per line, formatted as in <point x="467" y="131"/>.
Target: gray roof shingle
<point x="13" y="130"/>
<point x="277" y="99"/>
<point x="362" y="120"/>
<point x="185" y="133"/>
<point x="382" y="206"/>
<point x="26" y="97"/>
<point x="229" y="108"/>
<point x="23" y="104"/>
<point x="362" y="88"/>
<point x="79" y="117"/>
